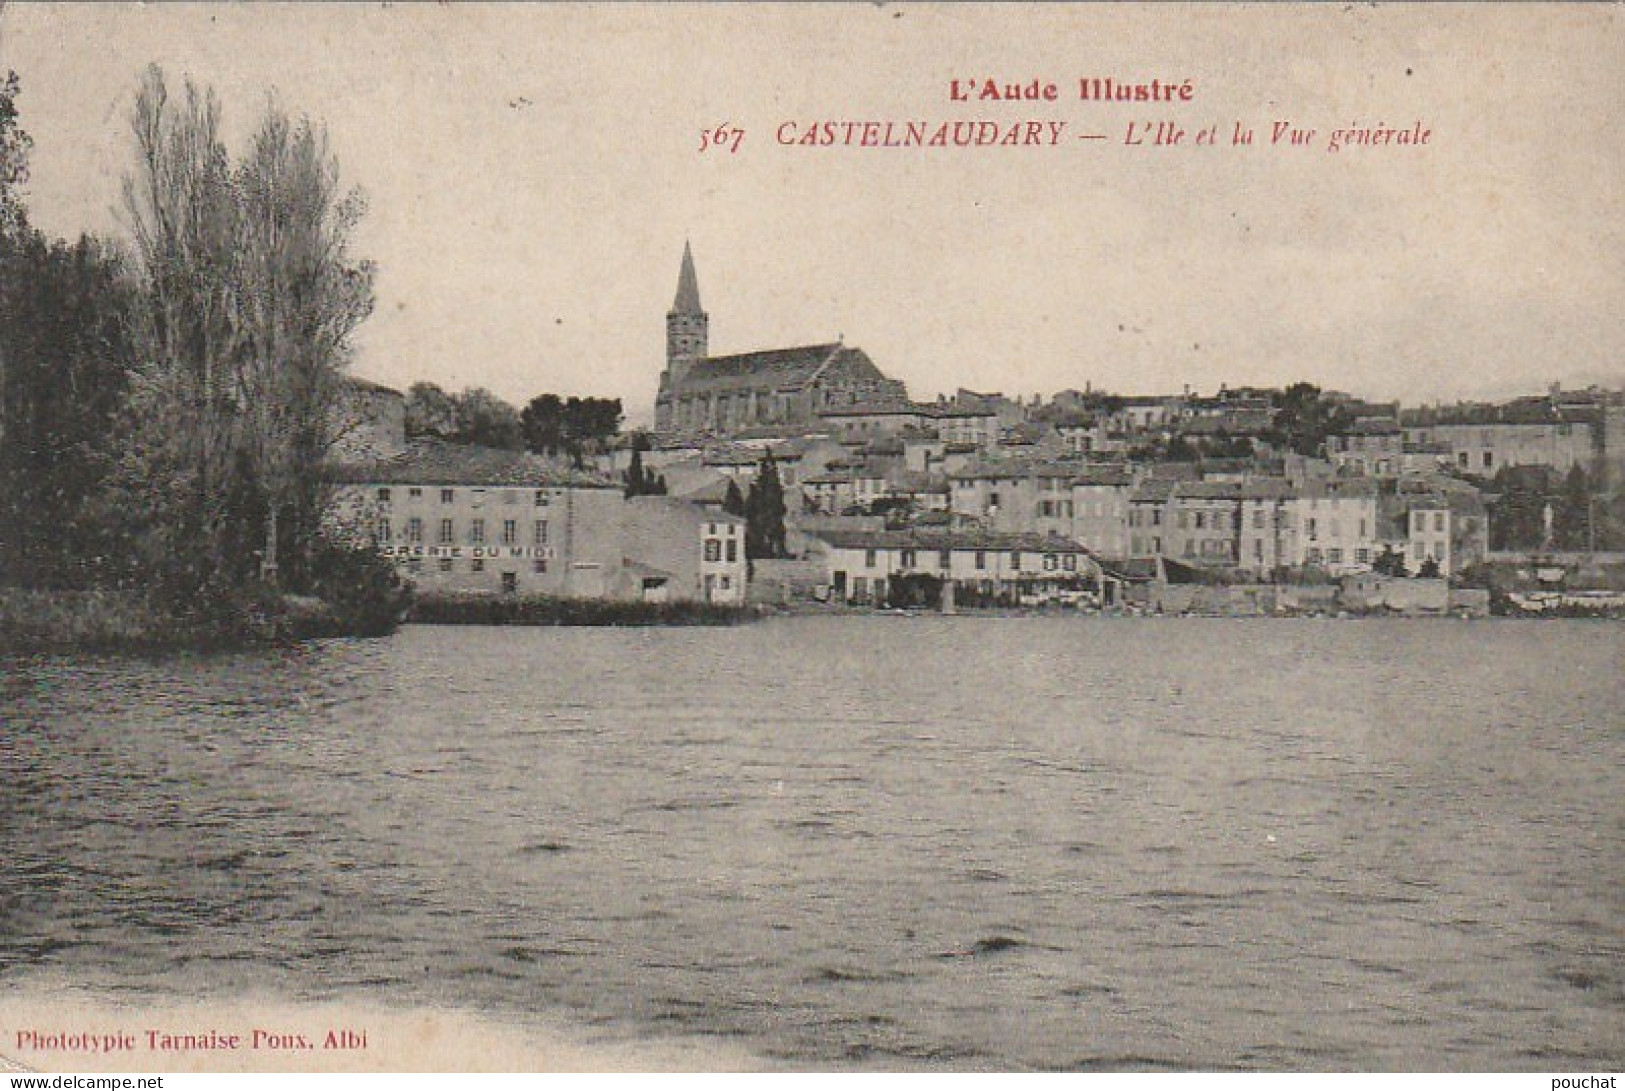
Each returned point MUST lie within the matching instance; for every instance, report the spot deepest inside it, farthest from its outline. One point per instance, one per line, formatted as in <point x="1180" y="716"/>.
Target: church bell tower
<point x="688" y="327"/>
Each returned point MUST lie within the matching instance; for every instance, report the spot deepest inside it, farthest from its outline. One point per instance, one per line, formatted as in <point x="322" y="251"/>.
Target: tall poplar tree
<point x="246" y="301"/>
<point x="764" y="513"/>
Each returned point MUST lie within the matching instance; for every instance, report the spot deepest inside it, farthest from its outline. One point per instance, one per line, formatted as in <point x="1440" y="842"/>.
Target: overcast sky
<point x="533" y="172"/>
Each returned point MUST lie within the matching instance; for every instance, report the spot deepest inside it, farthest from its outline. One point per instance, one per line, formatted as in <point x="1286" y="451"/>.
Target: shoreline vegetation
<point x="549" y="610"/>
<point x="102" y="621"/>
<point x="170" y="401"/>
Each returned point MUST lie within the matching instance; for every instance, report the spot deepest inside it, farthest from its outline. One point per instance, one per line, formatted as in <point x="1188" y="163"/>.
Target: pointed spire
<point x="688" y="287"/>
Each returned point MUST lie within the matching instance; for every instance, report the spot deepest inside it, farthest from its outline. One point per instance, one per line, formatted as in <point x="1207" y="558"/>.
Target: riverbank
<point x="541" y="610"/>
<point x="43" y="621"/>
<point x="34" y="620"/>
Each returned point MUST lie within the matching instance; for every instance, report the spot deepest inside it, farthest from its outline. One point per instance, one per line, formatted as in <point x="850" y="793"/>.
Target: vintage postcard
<point x="846" y="537"/>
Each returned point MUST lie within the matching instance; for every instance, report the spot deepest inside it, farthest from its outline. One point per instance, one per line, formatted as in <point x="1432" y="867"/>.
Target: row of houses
<point x="1251" y="523"/>
<point x="981" y="502"/>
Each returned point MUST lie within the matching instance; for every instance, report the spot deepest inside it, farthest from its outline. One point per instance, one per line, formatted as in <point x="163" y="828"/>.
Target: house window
<point x="539" y="566"/>
<point x="414" y="529"/>
<point x="1489" y="459"/>
<point x="906" y="559"/>
<point x="1335" y="555"/>
<point x="510" y="583"/>
<point x="540" y="499"/>
<point x="1362" y="556"/>
<point x="539" y="535"/>
<point x="510" y="532"/>
<point x="383" y="496"/>
<point x="382" y="532"/>
<point x="476" y="532"/>
<point x="1015" y="558"/>
<point x="1420" y="522"/>
<point x="1070" y="562"/>
<point x="1311" y="528"/>
<point x="713" y="549"/>
<point x="733" y="550"/>
<point x="945" y="559"/>
<point x="981" y="560"/>
<point x="1438" y="522"/>
<point x="414" y="565"/>
<point x="444" y="564"/>
<point x="414" y="494"/>
<point x="868" y="558"/>
<point x="448" y="496"/>
<point x="1258" y="520"/>
<point x="447" y="532"/>
<point x="726" y="583"/>
<point x="479" y="498"/>
<point x="477" y="564"/>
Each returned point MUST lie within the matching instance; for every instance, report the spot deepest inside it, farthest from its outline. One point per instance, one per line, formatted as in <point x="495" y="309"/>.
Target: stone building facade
<point x="723" y="395"/>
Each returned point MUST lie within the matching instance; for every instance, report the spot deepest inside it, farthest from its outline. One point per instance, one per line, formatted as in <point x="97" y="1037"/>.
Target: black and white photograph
<point x="835" y="538"/>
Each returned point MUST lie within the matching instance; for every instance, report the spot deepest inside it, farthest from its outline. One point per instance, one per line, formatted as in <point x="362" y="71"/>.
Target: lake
<point x="856" y="842"/>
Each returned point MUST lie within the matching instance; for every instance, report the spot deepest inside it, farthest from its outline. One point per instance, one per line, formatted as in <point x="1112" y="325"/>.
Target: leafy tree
<point x="430" y="412"/>
<point x="183" y="426"/>
<point x="543" y="424"/>
<point x="301" y="298"/>
<point x="1391" y="562"/>
<point x="590" y="423"/>
<point x="487" y="420"/>
<point x="1304" y="418"/>
<point x="14" y="146"/>
<point x="1429" y="569"/>
<point x="764" y="513"/>
<point x="67" y="361"/>
<point x="1517" y="514"/>
<point x="733" y="501"/>
<point x="573" y="426"/>
<point x="1573" y="511"/>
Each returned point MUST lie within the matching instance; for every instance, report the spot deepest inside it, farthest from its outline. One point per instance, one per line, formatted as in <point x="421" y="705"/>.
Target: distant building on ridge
<point x="722" y="395"/>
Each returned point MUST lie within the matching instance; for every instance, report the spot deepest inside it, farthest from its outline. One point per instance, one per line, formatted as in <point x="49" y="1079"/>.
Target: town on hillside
<point x="806" y="475"/>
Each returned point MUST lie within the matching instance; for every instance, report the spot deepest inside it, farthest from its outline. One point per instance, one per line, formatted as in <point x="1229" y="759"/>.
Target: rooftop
<point x="789" y="368"/>
<point x="940" y="538"/>
<point x="436" y="462"/>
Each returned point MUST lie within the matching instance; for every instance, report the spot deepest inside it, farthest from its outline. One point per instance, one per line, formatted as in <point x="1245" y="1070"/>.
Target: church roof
<point x="688" y="287"/>
<point x="782" y="369"/>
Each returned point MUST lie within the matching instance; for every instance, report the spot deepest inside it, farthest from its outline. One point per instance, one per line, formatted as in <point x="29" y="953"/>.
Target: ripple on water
<point x="933" y="844"/>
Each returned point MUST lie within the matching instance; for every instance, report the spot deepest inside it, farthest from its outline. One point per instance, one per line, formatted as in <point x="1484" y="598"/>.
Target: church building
<point x="722" y="395"/>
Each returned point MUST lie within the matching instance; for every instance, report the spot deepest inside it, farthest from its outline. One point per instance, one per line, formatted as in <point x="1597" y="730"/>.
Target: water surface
<point x="878" y="842"/>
